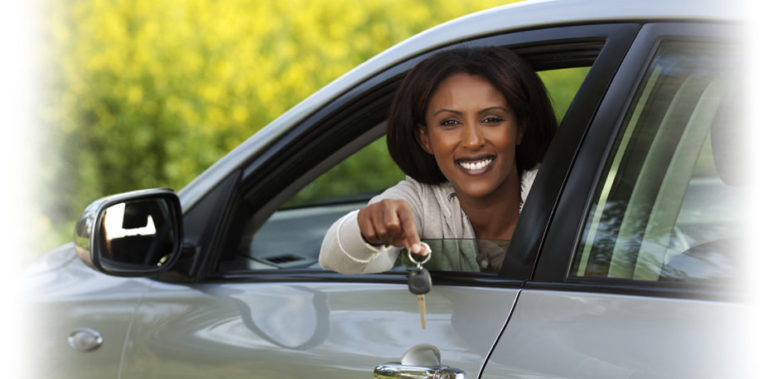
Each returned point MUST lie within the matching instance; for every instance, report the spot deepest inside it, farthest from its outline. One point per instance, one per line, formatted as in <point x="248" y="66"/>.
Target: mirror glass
<point x="137" y="233"/>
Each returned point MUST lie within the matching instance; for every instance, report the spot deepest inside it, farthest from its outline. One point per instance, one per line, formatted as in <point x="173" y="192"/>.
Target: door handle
<point x="420" y="362"/>
<point x="400" y="371"/>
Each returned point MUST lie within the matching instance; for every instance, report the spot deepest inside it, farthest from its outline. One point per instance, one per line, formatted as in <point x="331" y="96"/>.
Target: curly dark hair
<point x="511" y="75"/>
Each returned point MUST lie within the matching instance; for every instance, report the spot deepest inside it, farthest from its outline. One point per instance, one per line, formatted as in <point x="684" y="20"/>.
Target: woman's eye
<point x="493" y="120"/>
<point x="449" y="122"/>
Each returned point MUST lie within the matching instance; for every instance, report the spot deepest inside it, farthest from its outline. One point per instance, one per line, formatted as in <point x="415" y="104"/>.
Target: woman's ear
<point x="424" y="139"/>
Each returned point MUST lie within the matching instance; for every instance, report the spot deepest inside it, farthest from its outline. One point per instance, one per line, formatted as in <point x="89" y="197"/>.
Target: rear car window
<point x="668" y="205"/>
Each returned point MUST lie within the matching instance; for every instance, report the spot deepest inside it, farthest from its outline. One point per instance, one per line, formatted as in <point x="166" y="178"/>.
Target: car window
<point x="357" y="178"/>
<point x="459" y="254"/>
<point x="667" y="208"/>
<point x="371" y="170"/>
<point x="292" y="236"/>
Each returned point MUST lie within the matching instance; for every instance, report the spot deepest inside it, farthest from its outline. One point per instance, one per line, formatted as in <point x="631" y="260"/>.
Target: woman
<point x="468" y="127"/>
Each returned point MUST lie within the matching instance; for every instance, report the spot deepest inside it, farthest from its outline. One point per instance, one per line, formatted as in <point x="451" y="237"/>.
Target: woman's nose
<point x="473" y="135"/>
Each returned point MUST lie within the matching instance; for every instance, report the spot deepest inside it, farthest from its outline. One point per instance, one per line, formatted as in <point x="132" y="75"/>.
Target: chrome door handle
<point x="420" y="362"/>
<point x="399" y="371"/>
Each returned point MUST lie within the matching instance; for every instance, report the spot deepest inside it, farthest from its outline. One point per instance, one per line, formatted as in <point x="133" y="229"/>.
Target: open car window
<point x="291" y="236"/>
<point x="371" y="170"/>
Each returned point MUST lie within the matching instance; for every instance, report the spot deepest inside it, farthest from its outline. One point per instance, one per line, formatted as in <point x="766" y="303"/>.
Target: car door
<point x="248" y="298"/>
<point x="639" y="272"/>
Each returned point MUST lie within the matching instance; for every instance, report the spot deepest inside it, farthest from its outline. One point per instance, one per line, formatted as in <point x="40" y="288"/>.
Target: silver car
<point x="625" y="262"/>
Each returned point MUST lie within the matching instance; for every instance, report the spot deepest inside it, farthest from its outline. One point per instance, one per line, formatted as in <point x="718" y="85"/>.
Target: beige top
<point x="437" y="215"/>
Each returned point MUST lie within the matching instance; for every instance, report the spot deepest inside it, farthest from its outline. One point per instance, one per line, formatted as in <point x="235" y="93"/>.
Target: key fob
<point x="419" y="281"/>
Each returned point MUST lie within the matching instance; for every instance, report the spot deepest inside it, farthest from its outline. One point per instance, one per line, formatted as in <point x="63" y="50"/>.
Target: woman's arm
<point x="389" y="219"/>
<point x="345" y="251"/>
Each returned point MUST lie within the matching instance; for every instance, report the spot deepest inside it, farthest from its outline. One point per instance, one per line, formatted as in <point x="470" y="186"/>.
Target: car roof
<point x="506" y="18"/>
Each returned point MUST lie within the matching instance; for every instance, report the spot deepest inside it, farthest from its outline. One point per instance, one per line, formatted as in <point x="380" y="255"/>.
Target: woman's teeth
<point x="475" y="165"/>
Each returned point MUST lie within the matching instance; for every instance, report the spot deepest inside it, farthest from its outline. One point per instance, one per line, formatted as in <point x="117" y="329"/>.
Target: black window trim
<point x="552" y="271"/>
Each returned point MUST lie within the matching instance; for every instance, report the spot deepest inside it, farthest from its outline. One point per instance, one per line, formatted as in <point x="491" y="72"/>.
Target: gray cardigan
<point x="437" y="215"/>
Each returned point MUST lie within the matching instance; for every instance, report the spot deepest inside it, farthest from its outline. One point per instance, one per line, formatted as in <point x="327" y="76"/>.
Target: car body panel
<point x="292" y="330"/>
<point x="618" y="336"/>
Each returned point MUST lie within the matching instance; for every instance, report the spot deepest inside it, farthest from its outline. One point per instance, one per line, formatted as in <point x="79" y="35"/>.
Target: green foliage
<point x="145" y="93"/>
<point x="369" y="171"/>
<point x="562" y="86"/>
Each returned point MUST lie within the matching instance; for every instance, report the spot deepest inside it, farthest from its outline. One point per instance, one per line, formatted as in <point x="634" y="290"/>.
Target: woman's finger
<point x="391" y="219"/>
<point x="410" y="234"/>
<point x="365" y="220"/>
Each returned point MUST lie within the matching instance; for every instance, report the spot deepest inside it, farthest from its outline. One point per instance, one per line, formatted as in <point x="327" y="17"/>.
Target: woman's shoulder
<point x="435" y="192"/>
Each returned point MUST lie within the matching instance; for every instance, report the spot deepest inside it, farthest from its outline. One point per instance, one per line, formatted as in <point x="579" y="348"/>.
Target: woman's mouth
<point x="475" y="166"/>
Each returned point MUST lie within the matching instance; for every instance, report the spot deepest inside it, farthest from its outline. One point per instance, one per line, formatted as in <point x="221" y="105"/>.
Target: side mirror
<point x="136" y="233"/>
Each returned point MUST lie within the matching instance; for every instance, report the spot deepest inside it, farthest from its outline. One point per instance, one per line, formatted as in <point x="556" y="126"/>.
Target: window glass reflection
<point x="669" y="207"/>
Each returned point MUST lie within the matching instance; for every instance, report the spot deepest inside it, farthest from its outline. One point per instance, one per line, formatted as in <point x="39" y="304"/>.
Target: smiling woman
<point x="468" y="127"/>
<point x="473" y="134"/>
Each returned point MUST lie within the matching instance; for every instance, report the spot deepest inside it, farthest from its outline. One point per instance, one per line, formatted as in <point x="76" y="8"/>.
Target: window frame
<point x="264" y="182"/>
<point x="572" y="214"/>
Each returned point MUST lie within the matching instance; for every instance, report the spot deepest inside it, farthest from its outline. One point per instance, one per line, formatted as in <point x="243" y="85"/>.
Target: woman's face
<point x="472" y="133"/>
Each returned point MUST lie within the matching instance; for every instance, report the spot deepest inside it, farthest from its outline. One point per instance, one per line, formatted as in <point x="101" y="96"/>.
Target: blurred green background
<point x="146" y="93"/>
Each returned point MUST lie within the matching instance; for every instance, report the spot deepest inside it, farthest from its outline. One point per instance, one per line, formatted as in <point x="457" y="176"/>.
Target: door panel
<point x="299" y="330"/>
<point x="581" y="335"/>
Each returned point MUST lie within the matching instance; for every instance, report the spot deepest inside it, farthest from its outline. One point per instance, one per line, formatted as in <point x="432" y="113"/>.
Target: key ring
<point x="428" y="255"/>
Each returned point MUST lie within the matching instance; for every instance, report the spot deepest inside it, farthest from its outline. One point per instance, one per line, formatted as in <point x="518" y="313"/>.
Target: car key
<point x="420" y="282"/>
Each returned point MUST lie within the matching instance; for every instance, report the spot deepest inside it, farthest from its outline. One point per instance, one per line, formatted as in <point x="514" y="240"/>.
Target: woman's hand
<point x="389" y="222"/>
